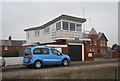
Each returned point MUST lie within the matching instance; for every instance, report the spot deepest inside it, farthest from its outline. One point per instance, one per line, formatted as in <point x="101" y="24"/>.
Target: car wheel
<point x="3" y="62"/>
<point x="37" y="64"/>
<point x="65" y="62"/>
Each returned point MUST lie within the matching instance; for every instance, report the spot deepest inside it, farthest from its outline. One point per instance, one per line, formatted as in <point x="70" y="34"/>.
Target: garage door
<point x="75" y="52"/>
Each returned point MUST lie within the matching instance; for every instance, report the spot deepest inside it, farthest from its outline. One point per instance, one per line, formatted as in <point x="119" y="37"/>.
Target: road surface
<point x="58" y="71"/>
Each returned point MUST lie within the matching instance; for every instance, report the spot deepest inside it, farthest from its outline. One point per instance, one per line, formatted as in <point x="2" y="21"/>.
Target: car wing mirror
<point x="59" y="53"/>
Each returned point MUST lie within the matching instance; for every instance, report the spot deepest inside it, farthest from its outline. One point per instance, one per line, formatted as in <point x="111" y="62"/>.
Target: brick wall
<point x="65" y="50"/>
<point x="87" y="51"/>
<point x="115" y="55"/>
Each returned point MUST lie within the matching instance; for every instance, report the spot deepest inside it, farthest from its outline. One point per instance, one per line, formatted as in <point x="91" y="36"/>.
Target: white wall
<point x="13" y="60"/>
<point x="43" y="37"/>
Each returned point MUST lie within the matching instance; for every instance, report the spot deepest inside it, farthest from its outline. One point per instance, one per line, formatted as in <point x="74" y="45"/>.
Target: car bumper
<point x="26" y="64"/>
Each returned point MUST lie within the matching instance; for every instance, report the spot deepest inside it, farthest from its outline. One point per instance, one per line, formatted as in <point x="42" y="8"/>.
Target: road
<point x="47" y="72"/>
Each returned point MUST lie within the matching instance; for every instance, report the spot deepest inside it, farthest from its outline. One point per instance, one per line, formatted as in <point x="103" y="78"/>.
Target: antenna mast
<point x="84" y="17"/>
<point x="83" y="12"/>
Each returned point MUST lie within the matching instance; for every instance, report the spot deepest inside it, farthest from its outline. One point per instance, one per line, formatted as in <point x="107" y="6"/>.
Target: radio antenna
<point x="83" y="12"/>
<point x="84" y="17"/>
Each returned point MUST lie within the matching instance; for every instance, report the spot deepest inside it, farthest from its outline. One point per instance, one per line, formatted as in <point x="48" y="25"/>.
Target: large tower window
<point x="78" y="27"/>
<point x="65" y="25"/>
<point x="58" y="26"/>
<point x="72" y="26"/>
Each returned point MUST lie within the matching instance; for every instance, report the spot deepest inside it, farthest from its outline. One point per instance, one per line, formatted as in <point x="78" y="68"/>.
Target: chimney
<point x="10" y="38"/>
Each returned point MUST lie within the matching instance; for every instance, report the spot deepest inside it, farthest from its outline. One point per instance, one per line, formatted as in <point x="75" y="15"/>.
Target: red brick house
<point x="98" y="43"/>
<point x="10" y="46"/>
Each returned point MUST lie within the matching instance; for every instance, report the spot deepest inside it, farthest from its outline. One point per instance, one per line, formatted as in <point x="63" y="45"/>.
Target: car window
<point x="41" y="51"/>
<point x="27" y="51"/>
<point x="54" y="51"/>
<point x="37" y="51"/>
<point x="45" y="50"/>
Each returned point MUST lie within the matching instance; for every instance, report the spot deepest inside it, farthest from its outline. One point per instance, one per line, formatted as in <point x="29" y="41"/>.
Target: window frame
<point x="101" y="51"/>
<point x="101" y="43"/>
<point x="70" y="24"/>
<point x="104" y="43"/>
<point x="95" y="42"/>
<point x="46" y="30"/>
<point x="37" y="32"/>
<point x="80" y="30"/>
<point x="60" y="22"/>
<point x="65" y="26"/>
<point x="104" y="51"/>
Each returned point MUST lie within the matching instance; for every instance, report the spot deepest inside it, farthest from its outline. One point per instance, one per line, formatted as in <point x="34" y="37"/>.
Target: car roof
<point x="39" y="47"/>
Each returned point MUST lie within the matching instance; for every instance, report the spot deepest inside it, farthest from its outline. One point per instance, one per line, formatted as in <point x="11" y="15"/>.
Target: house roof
<point x="11" y="42"/>
<point x="100" y="35"/>
<point x="93" y="31"/>
<point x="5" y="43"/>
<point x="66" y="17"/>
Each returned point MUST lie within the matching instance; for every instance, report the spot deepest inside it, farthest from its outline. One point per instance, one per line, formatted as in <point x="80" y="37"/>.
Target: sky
<point x="17" y="16"/>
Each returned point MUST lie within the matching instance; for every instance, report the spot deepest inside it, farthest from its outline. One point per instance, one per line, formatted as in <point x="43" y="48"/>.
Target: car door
<point x="46" y="56"/>
<point x="42" y="54"/>
<point x="56" y="57"/>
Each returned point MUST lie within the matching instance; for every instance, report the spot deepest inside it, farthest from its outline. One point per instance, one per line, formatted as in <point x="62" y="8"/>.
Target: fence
<point x="108" y="55"/>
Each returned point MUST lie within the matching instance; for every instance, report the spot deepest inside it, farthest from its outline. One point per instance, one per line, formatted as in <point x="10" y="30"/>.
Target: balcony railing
<point x="67" y="34"/>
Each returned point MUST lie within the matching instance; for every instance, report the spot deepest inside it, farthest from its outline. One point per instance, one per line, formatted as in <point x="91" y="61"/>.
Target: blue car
<point x="38" y="56"/>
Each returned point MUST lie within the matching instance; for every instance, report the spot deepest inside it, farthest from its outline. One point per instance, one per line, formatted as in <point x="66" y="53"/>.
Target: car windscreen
<point x="27" y="51"/>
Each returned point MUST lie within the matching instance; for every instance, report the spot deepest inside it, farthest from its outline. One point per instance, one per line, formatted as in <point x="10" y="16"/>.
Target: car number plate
<point x="26" y="60"/>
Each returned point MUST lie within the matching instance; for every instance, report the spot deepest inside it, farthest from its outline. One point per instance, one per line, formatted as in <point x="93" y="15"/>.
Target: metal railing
<point x="68" y="34"/>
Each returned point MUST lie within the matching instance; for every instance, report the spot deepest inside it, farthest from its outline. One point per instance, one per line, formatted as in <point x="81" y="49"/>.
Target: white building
<point x="62" y="27"/>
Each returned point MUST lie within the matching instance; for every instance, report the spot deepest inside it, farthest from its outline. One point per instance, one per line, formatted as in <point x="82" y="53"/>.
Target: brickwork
<point x="115" y="55"/>
<point x="97" y="45"/>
